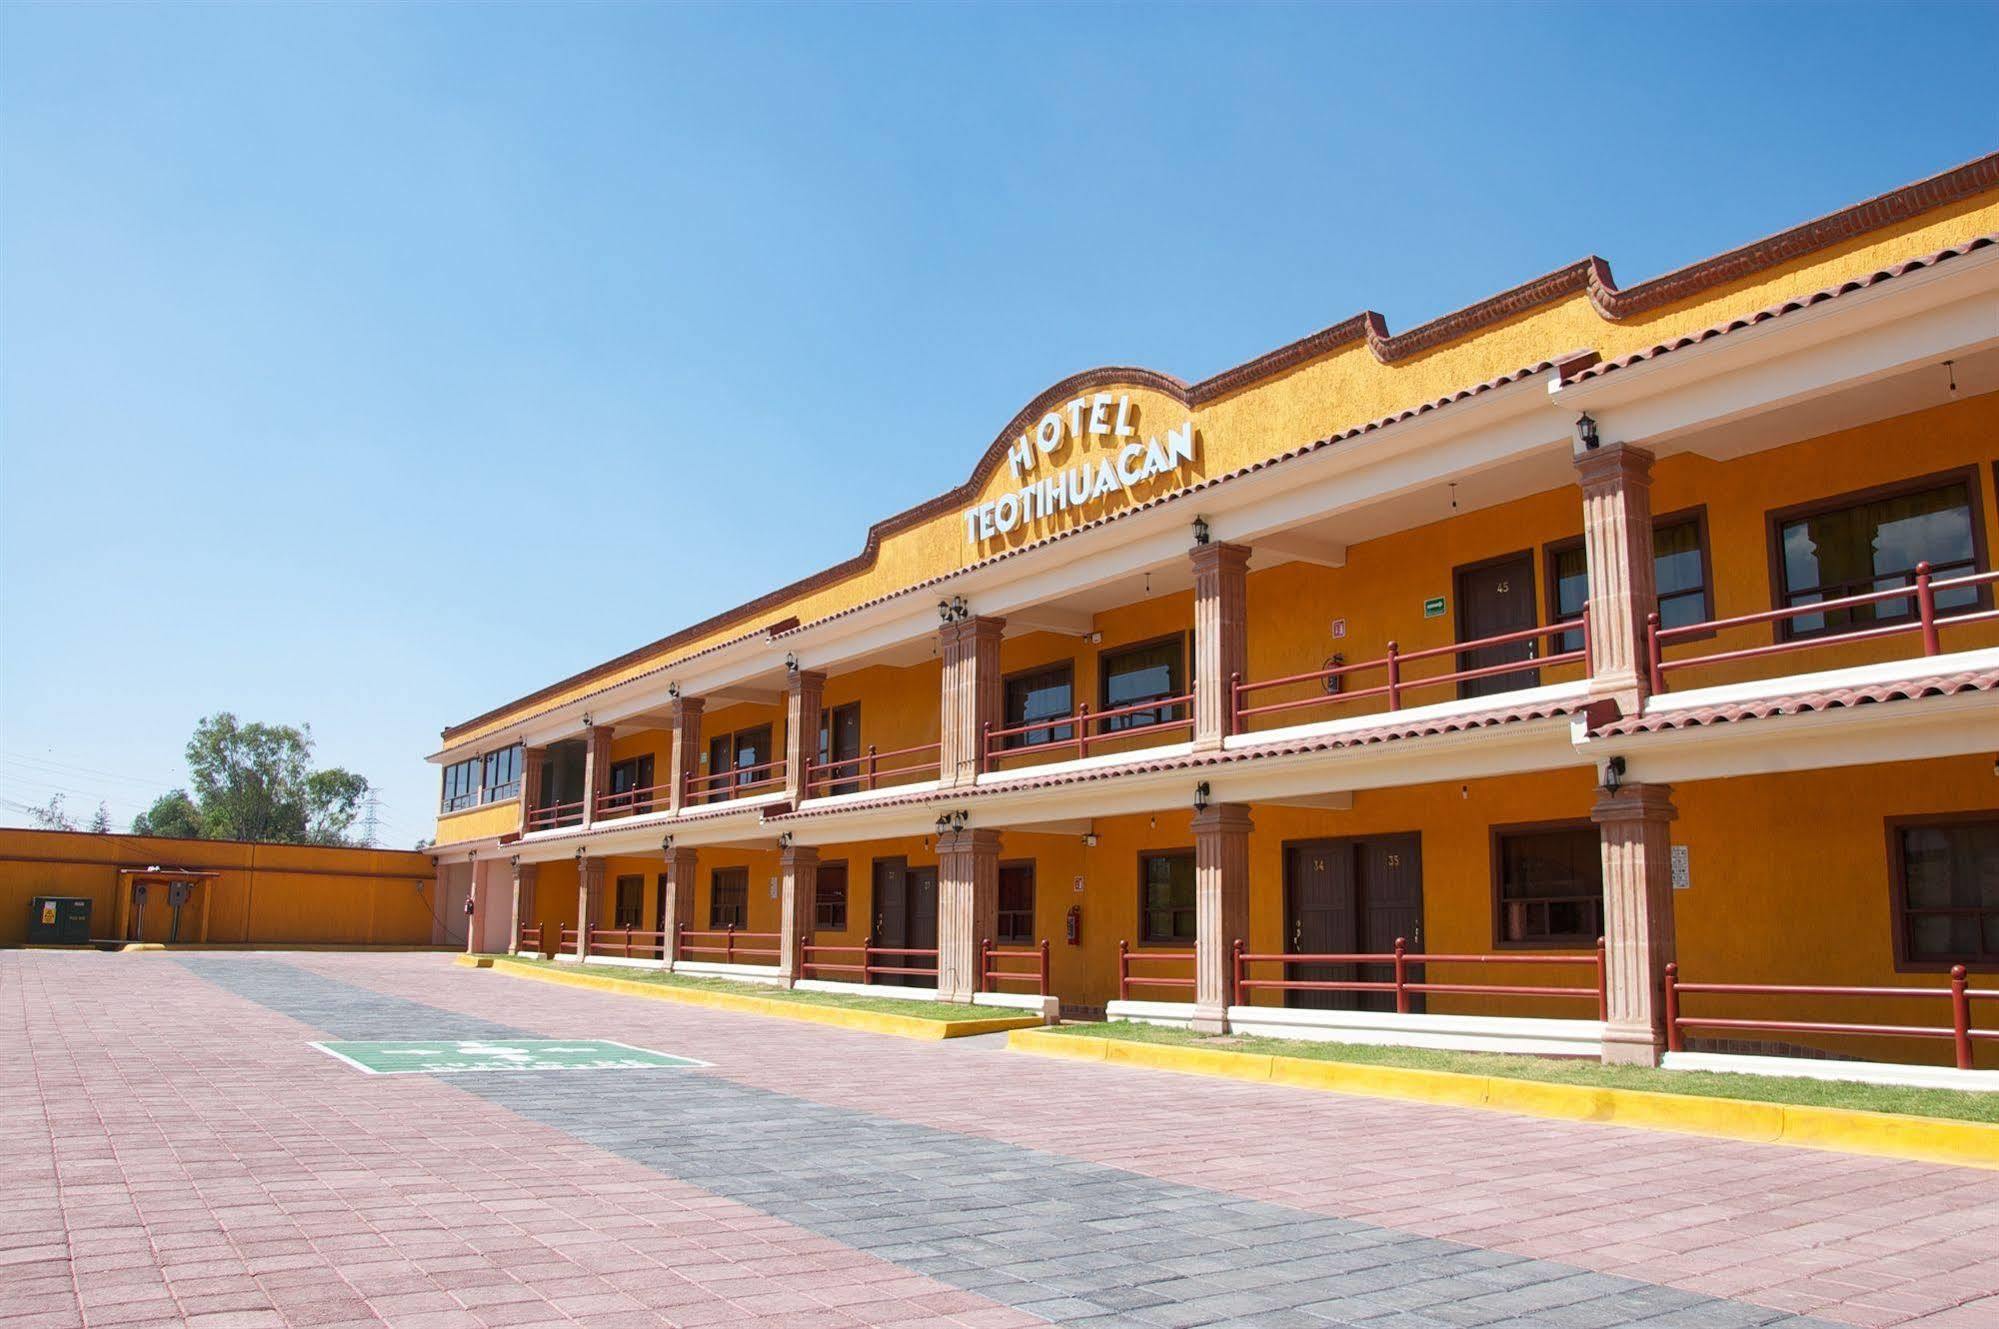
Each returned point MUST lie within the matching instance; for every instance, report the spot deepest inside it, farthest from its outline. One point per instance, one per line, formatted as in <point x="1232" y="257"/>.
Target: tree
<point x="173" y="815"/>
<point x="50" y="815"/>
<point x="256" y="782"/>
<point x="100" y="820"/>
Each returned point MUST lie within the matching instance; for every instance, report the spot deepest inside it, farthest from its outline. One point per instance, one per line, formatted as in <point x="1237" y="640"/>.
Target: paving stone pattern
<point x="1064" y="1239"/>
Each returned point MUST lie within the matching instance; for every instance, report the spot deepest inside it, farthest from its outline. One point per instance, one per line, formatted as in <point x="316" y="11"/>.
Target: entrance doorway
<point x="905" y="900"/>
<point x="1353" y="896"/>
<point x="1497" y="597"/>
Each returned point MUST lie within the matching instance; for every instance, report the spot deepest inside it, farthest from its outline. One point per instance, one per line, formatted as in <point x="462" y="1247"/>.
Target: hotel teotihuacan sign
<point x="1103" y="420"/>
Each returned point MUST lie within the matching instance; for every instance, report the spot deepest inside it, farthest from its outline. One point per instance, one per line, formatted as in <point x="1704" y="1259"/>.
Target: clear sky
<point x="371" y="366"/>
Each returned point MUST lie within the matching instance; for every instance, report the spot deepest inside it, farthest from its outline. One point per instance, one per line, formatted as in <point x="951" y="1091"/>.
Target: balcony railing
<point x="1926" y="620"/>
<point x="859" y="962"/>
<point x="736" y="782"/>
<point x="1959" y="1031"/>
<point x="991" y="975"/>
<point x="1402" y="960"/>
<point x="634" y="802"/>
<point x="554" y="815"/>
<point x="867" y="772"/>
<point x="1332" y="683"/>
<point x="1087" y="728"/>
<point x="1127" y="980"/>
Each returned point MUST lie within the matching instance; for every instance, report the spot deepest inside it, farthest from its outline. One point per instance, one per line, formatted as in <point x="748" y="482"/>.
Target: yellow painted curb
<point x="1844" y="1130"/>
<point x="843" y="1017"/>
<point x="474" y="961"/>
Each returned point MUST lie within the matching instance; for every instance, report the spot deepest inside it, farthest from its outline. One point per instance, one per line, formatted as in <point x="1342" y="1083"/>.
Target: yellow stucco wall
<point x="289" y="894"/>
<point x="1789" y="883"/>
<point x="1345" y="388"/>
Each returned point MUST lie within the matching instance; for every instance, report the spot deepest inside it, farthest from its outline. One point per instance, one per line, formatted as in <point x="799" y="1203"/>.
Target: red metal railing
<point x="530" y="938"/>
<point x="1959" y="1031"/>
<point x="635" y="802"/>
<point x="1926" y="621"/>
<point x="866" y="966"/>
<point x="1395" y="685"/>
<point x="993" y="745"/>
<point x="566" y="939"/>
<point x="1403" y="959"/>
<point x="728" y="943"/>
<point x="621" y="941"/>
<point x="1127" y="980"/>
<point x="991" y="975"/>
<point x="736" y="782"/>
<point x="865" y="772"/>
<point x="555" y="814"/>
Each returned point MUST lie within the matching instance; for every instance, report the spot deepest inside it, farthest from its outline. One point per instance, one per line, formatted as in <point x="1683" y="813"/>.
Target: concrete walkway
<point x="182" y="1154"/>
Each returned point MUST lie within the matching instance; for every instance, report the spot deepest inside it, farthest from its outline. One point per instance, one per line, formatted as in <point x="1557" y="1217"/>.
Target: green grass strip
<point x="1950" y="1104"/>
<point x="945" y="1012"/>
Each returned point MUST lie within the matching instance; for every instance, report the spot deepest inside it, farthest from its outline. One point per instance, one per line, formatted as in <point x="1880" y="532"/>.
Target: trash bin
<point x="59" y="920"/>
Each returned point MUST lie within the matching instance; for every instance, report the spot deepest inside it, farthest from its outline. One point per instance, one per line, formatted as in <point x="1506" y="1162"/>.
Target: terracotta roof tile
<point x="1790" y="306"/>
<point x="1804" y="703"/>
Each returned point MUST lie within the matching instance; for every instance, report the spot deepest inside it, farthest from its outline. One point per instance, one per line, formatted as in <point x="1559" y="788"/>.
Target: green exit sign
<point x="1433" y="607"/>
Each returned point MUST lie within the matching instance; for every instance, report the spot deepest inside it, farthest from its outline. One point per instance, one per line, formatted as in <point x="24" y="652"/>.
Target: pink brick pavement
<point x="1860" y="1240"/>
<point x="177" y="1155"/>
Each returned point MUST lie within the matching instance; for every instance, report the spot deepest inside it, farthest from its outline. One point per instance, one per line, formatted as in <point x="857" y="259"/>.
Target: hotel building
<point x="1511" y="681"/>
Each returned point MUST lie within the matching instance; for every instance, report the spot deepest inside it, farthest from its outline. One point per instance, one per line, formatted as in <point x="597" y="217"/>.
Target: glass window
<point x="1166" y="898"/>
<point x="1551" y="885"/>
<point x="1041" y="694"/>
<point x="1679" y="569"/>
<point x="628" y="778"/>
<point x="501" y="779"/>
<point x="1874" y="545"/>
<point x="1950" y="892"/>
<point x="1016" y="904"/>
<point x="631" y="902"/>
<point x="729" y="898"/>
<point x="752" y="750"/>
<point x="829" y="898"/>
<point x="1141" y="674"/>
<point x="741" y="752"/>
<point x="461" y="785"/>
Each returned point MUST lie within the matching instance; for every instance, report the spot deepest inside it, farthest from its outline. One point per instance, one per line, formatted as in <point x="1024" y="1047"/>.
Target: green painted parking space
<point x="436" y="1056"/>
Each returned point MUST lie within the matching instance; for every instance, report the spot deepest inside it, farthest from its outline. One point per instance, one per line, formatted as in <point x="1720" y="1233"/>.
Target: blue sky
<point x="358" y="364"/>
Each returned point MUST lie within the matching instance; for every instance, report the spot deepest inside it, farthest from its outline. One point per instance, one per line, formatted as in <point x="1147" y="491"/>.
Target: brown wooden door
<point x="1390" y="868"/>
<point x="841" y="742"/>
<point x="1319" y="918"/>
<point x="1494" y="598"/>
<point x="905" y="916"/>
<point x="1352" y="896"/>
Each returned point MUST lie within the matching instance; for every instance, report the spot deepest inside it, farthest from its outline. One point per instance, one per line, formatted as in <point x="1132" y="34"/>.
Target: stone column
<point x="475" y="920"/>
<point x="971" y="694"/>
<point x="596" y="769"/>
<point x="1221" y="907"/>
<point x="686" y="747"/>
<point x="679" y="893"/>
<point x="799" y="865"/>
<point x="1637" y="918"/>
<point x="801" y="729"/>
<point x="1623" y="587"/>
<point x="534" y="766"/>
<point x="1221" y="638"/>
<point x="967" y="907"/>
<point x="524" y="875"/>
<point x="589" y="892"/>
